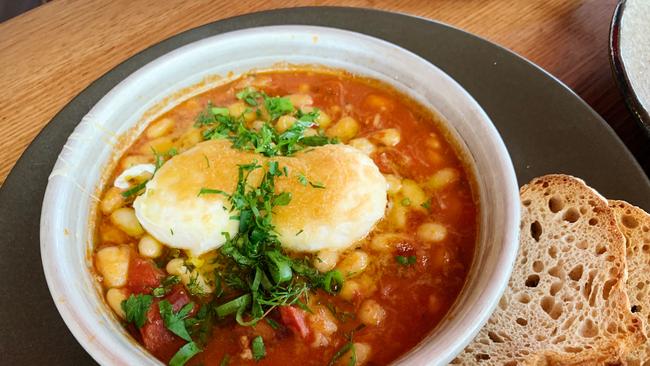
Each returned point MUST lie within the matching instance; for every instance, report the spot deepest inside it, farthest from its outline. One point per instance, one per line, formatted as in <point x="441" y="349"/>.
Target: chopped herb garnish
<point x="405" y="261"/>
<point x="225" y="360"/>
<point x="135" y="190"/>
<point x="171" y="231"/>
<point x="278" y="106"/>
<point x="249" y="95"/>
<point x="426" y="204"/>
<point x="259" y="351"/>
<point x="342" y="351"/>
<point x="266" y="140"/>
<point x="317" y="185"/>
<point x="165" y="285"/>
<point x="174" y="321"/>
<point x="184" y="354"/>
<point x="273" y="323"/>
<point x="219" y="111"/>
<point x="405" y="202"/>
<point x="300" y="232"/>
<point x="264" y="275"/>
<point x="302" y="179"/>
<point x="211" y="191"/>
<point x="207" y="162"/>
<point x="136" y="308"/>
<point x="195" y="287"/>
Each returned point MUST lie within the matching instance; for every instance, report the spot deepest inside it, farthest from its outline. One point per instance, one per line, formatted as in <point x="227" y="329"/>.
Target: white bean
<point x="432" y="231"/>
<point x="412" y="191"/>
<point x="124" y="218"/>
<point x="111" y="201"/>
<point x="149" y="247"/>
<point x="326" y="260"/>
<point x="284" y="123"/>
<point x="114" y="298"/>
<point x="354" y="263"/>
<point x="387" y="137"/>
<point x="345" y="129"/>
<point x="371" y="313"/>
<point x="113" y="264"/>
<point x="160" y="128"/>
<point x="362" y="144"/>
<point x="394" y="184"/>
<point x="442" y="178"/>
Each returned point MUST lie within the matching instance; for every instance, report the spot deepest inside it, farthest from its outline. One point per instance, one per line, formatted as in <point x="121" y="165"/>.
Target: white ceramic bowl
<point x="66" y="232"/>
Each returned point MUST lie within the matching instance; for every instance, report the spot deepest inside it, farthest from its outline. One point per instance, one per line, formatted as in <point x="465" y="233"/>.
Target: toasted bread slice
<point x="634" y="223"/>
<point x="565" y="303"/>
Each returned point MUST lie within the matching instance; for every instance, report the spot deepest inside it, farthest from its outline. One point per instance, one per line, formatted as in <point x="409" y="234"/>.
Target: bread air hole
<point x="521" y="321"/>
<point x="629" y="221"/>
<point x="523" y="298"/>
<point x="526" y="203"/>
<point x="571" y="215"/>
<point x="635" y="308"/>
<point x="552" y="251"/>
<point x="532" y="281"/>
<point x="570" y="349"/>
<point x="555" y="204"/>
<point x="554" y="310"/>
<point x="538" y="266"/>
<point x="607" y="288"/>
<point x="576" y="273"/>
<point x="536" y="230"/>
<point x="600" y="249"/>
<point x="495" y="337"/>
<point x="555" y="288"/>
<point x="588" y="329"/>
<point x="593" y="221"/>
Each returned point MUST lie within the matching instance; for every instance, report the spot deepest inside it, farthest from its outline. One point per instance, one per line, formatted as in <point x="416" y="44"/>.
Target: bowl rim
<point x="509" y="246"/>
<point x="634" y="105"/>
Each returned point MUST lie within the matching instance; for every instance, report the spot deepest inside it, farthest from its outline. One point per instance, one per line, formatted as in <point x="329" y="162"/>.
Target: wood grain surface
<point x="51" y="53"/>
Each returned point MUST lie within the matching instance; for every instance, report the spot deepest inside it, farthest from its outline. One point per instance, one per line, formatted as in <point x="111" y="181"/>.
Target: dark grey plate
<point x="546" y="127"/>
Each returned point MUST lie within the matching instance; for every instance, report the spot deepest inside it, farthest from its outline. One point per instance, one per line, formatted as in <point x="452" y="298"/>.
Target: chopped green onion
<point x="219" y="111"/>
<point x="405" y="261"/>
<point x="333" y="281"/>
<point x="279" y="266"/>
<point x="135" y="189"/>
<point x="184" y="354"/>
<point x="232" y="306"/>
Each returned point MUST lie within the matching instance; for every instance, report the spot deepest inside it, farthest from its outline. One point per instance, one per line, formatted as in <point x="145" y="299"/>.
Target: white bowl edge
<point x="76" y="174"/>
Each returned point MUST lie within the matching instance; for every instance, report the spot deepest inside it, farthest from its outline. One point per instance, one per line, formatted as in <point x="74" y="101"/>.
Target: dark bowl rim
<point x="641" y="115"/>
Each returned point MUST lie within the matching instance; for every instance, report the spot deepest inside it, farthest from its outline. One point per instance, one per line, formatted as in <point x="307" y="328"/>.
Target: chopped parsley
<point x="217" y="123"/>
<point x="165" y="285"/>
<point x="405" y="202"/>
<point x="405" y="261"/>
<point x="136" y="308"/>
<point x="264" y="275"/>
<point x="426" y="204"/>
<point x="259" y="351"/>
<point x="174" y="321"/>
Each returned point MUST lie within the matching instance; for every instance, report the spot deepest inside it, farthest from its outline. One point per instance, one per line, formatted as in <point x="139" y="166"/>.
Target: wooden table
<point x="51" y="53"/>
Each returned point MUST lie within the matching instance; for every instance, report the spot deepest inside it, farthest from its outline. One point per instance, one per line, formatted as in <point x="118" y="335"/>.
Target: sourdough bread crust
<point x="634" y="223"/>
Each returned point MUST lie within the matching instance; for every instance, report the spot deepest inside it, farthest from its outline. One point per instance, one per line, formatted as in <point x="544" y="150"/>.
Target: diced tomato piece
<point x="178" y="297"/>
<point x="295" y="319"/>
<point x="143" y="275"/>
<point x="156" y="337"/>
